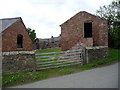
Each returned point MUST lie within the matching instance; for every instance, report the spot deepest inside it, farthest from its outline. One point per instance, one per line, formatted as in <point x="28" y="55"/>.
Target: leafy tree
<point x="32" y="34"/>
<point x="111" y="13"/>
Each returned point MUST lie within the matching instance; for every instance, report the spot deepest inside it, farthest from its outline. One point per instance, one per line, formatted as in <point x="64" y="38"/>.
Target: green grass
<point x="57" y="49"/>
<point x="20" y="78"/>
<point x="27" y="77"/>
<point x="47" y="51"/>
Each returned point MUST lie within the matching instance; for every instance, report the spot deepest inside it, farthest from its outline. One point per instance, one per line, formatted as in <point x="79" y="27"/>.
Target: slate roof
<point x="7" y="22"/>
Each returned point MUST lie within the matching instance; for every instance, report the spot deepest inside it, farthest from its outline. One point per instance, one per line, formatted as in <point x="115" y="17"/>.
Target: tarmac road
<point x="103" y="77"/>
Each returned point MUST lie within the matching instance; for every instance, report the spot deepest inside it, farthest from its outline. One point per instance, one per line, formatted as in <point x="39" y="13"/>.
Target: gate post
<point x="84" y="56"/>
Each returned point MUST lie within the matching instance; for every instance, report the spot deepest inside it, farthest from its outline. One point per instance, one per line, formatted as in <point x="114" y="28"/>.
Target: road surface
<point x="103" y="77"/>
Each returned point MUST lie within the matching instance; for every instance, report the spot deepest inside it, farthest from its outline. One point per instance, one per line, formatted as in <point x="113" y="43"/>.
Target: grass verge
<point x="57" y="49"/>
<point x="28" y="77"/>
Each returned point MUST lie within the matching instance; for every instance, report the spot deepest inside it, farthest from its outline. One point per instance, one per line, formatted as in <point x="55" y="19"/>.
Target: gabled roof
<point x="81" y="13"/>
<point x="7" y="22"/>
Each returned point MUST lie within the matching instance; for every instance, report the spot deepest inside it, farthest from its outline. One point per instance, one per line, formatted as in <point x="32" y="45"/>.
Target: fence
<point x="58" y="59"/>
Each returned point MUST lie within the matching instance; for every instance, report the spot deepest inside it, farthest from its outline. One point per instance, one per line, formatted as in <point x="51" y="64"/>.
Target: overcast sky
<point x="45" y="16"/>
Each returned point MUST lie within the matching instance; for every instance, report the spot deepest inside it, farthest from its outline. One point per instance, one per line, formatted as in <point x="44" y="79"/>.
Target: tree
<point x="32" y="34"/>
<point x="111" y="13"/>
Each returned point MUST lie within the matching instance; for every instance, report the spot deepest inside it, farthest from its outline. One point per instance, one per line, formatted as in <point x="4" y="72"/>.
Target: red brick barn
<point x="83" y="29"/>
<point x="16" y="46"/>
<point x="14" y="35"/>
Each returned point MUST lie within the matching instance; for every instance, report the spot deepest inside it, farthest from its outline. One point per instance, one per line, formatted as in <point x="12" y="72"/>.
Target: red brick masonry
<point x="72" y="31"/>
<point x="9" y="38"/>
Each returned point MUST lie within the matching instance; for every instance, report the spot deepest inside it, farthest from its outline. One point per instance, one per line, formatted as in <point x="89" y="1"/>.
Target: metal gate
<point x="58" y="59"/>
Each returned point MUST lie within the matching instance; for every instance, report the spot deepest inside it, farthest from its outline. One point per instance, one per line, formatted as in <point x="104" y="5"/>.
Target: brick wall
<point x="9" y="38"/>
<point x="72" y="31"/>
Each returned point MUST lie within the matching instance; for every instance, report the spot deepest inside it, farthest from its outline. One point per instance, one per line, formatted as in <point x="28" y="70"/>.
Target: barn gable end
<point x="73" y="31"/>
<point x="12" y="28"/>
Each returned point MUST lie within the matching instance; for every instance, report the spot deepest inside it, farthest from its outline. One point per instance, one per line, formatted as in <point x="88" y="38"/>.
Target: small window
<point x="20" y="41"/>
<point x="88" y="29"/>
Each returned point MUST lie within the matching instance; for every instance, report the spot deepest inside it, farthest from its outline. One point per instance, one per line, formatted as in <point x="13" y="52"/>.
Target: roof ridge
<point x="80" y="13"/>
<point x="10" y="18"/>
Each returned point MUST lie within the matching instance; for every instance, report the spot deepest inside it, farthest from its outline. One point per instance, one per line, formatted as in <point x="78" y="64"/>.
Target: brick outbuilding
<point x="82" y="30"/>
<point x="14" y="35"/>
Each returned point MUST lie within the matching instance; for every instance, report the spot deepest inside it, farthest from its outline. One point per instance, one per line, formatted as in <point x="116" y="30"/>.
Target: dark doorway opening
<point x="20" y="41"/>
<point x="88" y="29"/>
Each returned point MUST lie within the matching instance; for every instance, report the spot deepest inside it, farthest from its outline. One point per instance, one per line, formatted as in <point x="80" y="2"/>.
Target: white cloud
<point x="45" y="16"/>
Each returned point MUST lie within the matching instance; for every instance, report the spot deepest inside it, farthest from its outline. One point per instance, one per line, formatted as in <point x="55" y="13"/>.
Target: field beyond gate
<point x="58" y="59"/>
